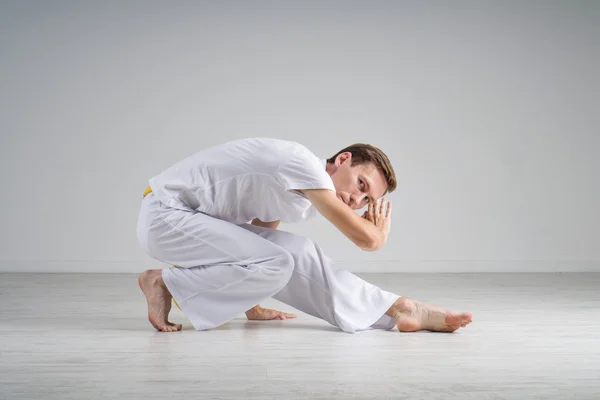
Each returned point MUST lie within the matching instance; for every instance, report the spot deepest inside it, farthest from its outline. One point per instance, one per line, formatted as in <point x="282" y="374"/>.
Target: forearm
<point x="367" y="236"/>
<point x="368" y="232"/>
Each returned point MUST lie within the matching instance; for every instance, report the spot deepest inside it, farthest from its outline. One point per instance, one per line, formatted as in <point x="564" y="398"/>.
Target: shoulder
<point x="300" y="152"/>
<point x="267" y="145"/>
<point x="283" y="152"/>
<point x="297" y="155"/>
<point x="300" y="168"/>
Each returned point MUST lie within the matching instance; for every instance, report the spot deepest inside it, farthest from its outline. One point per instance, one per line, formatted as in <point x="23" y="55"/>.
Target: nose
<point x="357" y="200"/>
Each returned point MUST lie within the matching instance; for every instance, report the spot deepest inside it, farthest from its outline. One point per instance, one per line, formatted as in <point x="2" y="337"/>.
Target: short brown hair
<point x="365" y="153"/>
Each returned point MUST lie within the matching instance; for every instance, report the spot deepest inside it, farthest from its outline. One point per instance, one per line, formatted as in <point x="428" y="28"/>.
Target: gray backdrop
<point x="488" y="111"/>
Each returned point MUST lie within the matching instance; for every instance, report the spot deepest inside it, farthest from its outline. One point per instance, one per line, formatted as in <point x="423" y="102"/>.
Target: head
<point x="361" y="174"/>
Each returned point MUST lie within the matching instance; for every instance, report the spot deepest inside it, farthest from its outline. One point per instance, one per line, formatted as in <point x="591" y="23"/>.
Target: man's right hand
<point x="381" y="218"/>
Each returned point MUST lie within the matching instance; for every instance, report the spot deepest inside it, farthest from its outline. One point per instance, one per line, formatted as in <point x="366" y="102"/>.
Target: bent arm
<point x="359" y="230"/>
<point x="272" y="224"/>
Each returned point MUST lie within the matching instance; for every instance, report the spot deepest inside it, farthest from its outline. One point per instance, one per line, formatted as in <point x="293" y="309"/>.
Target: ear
<point x="342" y="158"/>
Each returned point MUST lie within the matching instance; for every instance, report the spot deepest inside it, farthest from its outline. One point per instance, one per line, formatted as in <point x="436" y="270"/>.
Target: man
<point x="195" y="215"/>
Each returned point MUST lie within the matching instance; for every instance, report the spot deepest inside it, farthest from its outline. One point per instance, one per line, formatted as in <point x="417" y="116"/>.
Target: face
<point x="359" y="185"/>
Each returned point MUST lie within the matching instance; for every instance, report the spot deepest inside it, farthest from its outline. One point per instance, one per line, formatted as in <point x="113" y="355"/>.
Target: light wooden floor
<point x="70" y="336"/>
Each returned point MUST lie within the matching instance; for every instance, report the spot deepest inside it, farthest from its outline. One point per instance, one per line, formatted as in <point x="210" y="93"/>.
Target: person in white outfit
<point x="213" y="219"/>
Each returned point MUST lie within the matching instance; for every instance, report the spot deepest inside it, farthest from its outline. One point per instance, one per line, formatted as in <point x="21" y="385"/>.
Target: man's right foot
<point x="159" y="300"/>
<point x="412" y="316"/>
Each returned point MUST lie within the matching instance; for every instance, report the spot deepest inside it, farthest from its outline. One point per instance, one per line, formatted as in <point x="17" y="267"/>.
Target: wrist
<point x="382" y="239"/>
<point x="253" y="309"/>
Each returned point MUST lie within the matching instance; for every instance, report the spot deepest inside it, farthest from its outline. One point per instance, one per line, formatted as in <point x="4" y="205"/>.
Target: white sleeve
<point x="304" y="171"/>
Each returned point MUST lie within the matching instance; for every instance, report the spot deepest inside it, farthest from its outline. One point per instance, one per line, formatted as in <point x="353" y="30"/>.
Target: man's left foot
<point x="412" y="316"/>
<point x="159" y="300"/>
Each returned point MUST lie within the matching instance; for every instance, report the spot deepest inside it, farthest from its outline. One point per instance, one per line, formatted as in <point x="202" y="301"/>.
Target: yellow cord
<point x="175" y="301"/>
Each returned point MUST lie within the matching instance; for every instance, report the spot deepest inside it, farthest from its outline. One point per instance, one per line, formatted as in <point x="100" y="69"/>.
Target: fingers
<point x="274" y="314"/>
<point x="283" y="315"/>
<point x="388" y="209"/>
<point x="376" y="210"/>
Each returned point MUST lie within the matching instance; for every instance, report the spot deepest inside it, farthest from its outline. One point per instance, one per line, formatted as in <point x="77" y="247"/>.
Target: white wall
<point x="488" y="110"/>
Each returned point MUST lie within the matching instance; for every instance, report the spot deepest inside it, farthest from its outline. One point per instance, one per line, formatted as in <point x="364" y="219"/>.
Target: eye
<point x="362" y="184"/>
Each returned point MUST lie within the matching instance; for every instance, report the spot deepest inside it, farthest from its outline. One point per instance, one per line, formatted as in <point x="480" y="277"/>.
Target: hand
<point x="259" y="313"/>
<point x="381" y="219"/>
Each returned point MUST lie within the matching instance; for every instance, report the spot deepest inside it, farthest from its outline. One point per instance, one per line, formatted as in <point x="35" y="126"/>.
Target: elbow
<point x="370" y="244"/>
<point x="373" y="242"/>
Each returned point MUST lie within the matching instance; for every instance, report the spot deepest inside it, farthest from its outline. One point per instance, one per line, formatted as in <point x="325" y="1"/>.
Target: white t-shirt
<point x="245" y="179"/>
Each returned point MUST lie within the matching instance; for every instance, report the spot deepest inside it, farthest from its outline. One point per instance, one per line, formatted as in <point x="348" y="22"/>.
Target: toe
<point x="173" y="327"/>
<point x="458" y="319"/>
<point x="453" y="320"/>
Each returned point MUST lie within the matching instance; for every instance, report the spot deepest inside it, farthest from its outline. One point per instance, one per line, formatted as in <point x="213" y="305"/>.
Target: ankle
<point x="154" y="277"/>
<point x="402" y="306"/>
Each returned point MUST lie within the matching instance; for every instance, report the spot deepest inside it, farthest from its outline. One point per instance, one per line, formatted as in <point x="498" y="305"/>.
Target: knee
<point x="304" y="245"/>
<point x="303" y="249"/>
<point x="287" y="265"/>
<point x="282" y="266"/>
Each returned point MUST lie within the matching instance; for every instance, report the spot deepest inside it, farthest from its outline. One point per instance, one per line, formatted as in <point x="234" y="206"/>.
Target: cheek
<point x="352" y="183"/>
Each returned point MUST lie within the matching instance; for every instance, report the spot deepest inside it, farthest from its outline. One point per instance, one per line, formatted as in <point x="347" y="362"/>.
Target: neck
<point x="330" y="168"/>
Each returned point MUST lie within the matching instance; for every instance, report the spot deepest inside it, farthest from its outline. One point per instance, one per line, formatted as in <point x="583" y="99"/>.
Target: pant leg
<point x="320" y="289"/>
<point x="226" y="270"/>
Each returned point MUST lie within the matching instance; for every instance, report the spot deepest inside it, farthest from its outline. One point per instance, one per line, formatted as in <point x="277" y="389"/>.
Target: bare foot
<point x="159" y="300"/>
<point x="412" y="316"/>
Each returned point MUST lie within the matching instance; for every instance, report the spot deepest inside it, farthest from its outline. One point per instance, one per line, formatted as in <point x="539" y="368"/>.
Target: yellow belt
<point x="146" y="192"/>
<point x="175" y="301"/>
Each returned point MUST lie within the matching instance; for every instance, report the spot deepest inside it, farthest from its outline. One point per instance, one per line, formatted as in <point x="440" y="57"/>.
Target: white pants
<point x="228" y="269"/>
